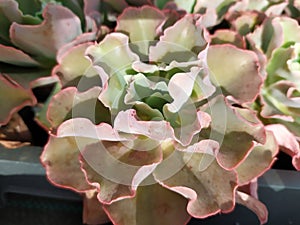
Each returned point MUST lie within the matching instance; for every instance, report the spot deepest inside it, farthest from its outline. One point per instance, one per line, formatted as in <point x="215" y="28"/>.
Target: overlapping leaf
<point x="180" y="42"/>
<point x="235" y="129"/>
<point x="195" y="180"/>
<point x="74" y="104"/>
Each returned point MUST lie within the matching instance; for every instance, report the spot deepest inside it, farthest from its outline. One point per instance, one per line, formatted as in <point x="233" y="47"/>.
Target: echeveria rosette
<point x="280" y="93"/>
<point x="31" y="37"/>
<point x="167" y="130"/>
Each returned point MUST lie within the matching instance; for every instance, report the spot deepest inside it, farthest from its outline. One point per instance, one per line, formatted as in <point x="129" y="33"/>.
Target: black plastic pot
<point x="26" y="197"/>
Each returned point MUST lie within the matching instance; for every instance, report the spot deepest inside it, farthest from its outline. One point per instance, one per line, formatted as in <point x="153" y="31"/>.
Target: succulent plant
<point x="154" y="123"/>
<point x="159" y="110"/>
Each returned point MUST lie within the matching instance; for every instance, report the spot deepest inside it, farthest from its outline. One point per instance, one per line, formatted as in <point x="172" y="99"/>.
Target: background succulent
<point x="280" y="93"/>
<point x="31" y="35"/>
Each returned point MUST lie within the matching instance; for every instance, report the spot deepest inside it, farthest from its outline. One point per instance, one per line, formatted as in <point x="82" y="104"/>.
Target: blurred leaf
<point x="15" y="134"/>
<point x="12" y="98"/>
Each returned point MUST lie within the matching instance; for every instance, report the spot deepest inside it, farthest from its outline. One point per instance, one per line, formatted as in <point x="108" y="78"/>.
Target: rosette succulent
<point x="155" y="124"/>
<point x="31" y="35"/>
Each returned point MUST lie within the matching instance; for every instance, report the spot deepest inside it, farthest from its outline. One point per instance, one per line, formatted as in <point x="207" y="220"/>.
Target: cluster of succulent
<point x="160" y="110"/>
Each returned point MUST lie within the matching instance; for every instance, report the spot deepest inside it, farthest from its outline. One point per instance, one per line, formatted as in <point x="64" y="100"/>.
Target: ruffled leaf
<point x="235" y="71"/>
<point x="127" y="122"/>
<point x="141" y="88"/>
<point x="152" y="204"/>
<point x="69" y="103"/>
<point x="185" y="89"/>
<point x="103" y="161"/>
<point x="113" y="46"/>
<point x="142" y="67"/>
<point x="9" y="13"/>
<point x="59" y="27"/>
<point x="186" y="123"/>
<point x="146" y="113"/>
<point x="82" y="39"/>
<point x="61" y="161"/>
<point x="180" y="42"/>
<point x="235" y="129"/>
<point x="75" y="73"/>
<point x="13" y="97"/>
<point x="142" y="26"/>
<point x="182" y="85"/>
<point x="113" y="94"/>
<point x="193" y="177"/>
<point x="82" y="127"/>
<point x="61" y="154"/>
